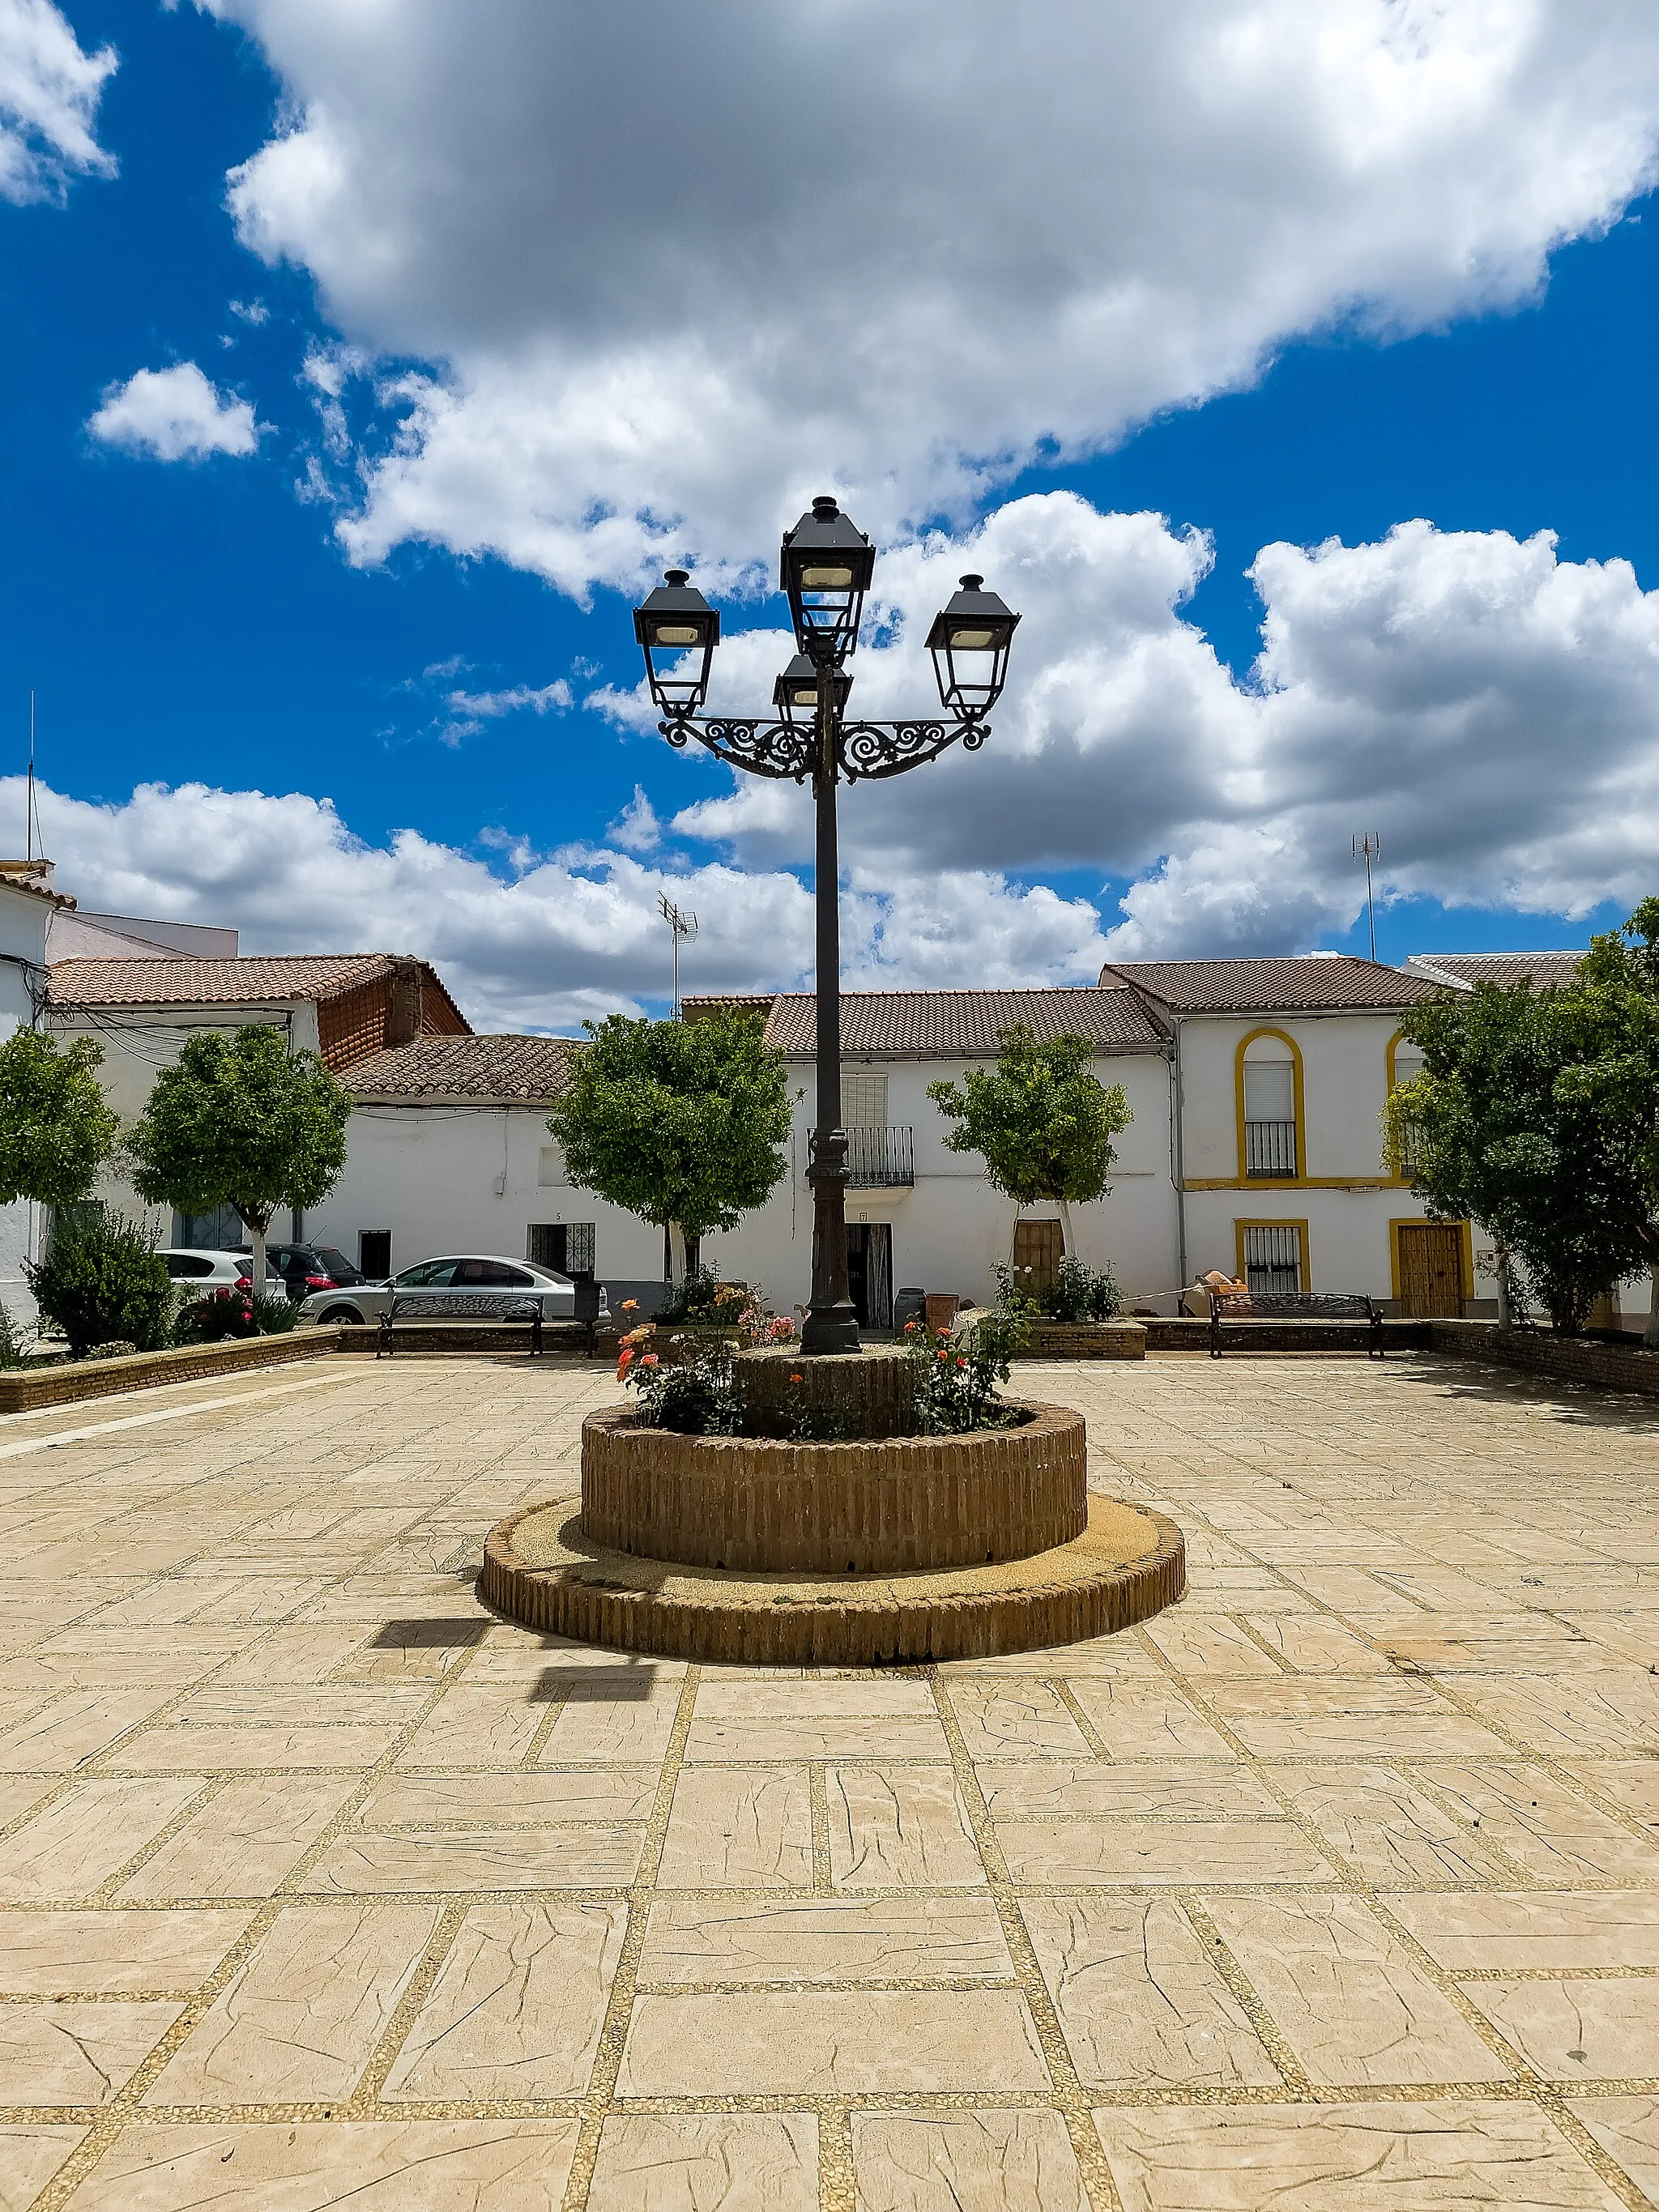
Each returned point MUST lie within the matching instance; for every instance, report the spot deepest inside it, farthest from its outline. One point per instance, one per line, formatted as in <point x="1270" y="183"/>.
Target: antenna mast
<point x="1368" y="848"/>
<point x="681" y="925"/>
<point x="28" y="799"/>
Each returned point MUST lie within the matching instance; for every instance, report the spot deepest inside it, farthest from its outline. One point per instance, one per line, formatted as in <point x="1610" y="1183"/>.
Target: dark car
<point x="308" y="1267"/>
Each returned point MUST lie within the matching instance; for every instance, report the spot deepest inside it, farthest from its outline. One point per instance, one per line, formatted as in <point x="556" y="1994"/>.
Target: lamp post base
<point x="831" y="1323"/>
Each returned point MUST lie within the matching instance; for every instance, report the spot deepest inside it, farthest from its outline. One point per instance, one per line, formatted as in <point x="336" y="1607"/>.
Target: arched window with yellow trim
<point x="1270" y="1114"/>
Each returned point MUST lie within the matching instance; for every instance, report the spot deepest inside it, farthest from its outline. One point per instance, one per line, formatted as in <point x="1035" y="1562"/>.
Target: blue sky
<point x="200" y="622"/>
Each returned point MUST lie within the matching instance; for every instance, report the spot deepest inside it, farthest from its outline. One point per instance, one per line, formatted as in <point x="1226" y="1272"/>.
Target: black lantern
<point x="795" y="694"/>
<point x="826" y="568"/>
<point x="970" y="644"/>
<point x="677" y="621"/>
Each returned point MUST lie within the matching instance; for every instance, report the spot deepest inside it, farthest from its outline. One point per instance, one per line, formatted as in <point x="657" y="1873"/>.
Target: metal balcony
<point x="881" y="1158"/>
<point x="1270" y="1149"/>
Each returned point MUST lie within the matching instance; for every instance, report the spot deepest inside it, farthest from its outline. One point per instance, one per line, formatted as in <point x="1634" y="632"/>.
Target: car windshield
<point x="336" y="1264"/>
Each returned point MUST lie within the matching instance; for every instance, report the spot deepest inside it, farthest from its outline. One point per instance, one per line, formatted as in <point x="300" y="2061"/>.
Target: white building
<point x="448" y="1151"/>
<point x="28" y="906"/>
<point x="141" y="1007"/>
<point x="1280" y="1071"/>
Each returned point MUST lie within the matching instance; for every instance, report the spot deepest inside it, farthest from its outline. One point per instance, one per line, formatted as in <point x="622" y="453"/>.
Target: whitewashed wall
<point x="1345" y="1194"/>
<point x="951" y="1230"/>
<point x="450" y="1178"/>
<point x="23" y="919"/>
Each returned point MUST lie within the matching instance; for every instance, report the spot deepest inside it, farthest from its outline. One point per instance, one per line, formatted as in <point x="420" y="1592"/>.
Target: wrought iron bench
<point x="1299" y="1305"/>
<point x="528" y="1310"/>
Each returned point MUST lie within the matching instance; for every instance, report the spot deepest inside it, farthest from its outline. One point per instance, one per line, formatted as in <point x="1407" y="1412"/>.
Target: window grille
<point x="565" y="1247"/>
<point x="1270" y="1118"/>
<point x="1272" y="1260"/>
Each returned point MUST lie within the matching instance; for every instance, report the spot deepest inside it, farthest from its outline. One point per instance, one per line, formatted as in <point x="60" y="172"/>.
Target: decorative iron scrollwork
<point x="775" y="748"/>
<point x="865" y="752"/>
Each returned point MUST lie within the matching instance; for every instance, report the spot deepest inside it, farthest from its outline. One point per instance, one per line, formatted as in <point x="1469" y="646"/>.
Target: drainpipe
<point x="1177" y="1120"/>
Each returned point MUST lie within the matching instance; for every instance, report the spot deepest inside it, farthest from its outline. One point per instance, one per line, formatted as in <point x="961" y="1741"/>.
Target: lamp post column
<point x="831" y="1324"/>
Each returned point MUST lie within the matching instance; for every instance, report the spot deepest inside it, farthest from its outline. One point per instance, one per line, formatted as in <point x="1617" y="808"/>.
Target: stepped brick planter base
<point x="541" y="1568"/>
<point x="22" y="1392"/>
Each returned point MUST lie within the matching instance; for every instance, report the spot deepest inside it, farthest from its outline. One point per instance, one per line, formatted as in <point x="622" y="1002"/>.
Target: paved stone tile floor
<point x="1335" y="1888"/>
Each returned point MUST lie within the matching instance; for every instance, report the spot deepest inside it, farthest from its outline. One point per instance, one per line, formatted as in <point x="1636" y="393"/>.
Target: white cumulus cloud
<point x="669" y="276"/>
<point x="49" y="95"/>
<point x="174" y="415"/>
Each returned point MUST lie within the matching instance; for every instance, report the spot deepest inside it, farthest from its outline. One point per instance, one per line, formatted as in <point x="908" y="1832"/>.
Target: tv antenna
<point x="28" y="797"/>
<point x="1368" y="848"/>
<point x="681" y="925"/>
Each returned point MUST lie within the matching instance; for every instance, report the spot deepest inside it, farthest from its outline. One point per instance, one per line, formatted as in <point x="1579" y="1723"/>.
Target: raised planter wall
<point x="1569" y="1358"/>
<point x="757" y="1504"/>
<point x="23" y="1392"/>
<point x="1086" y="1339"/>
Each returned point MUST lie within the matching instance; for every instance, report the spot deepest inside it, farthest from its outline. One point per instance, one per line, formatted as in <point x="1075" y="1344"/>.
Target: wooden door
<point x="1037" y="1249"/>
<point x="1431" y="1270"/>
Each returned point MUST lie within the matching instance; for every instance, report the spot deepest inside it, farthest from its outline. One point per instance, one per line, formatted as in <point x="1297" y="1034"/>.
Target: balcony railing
<point x="882" y="1159"/>
<point x="1270" y="1148"/>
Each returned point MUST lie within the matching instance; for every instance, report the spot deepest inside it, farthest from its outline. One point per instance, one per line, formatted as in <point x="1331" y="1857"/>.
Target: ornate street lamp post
<point x="826" y="569"/>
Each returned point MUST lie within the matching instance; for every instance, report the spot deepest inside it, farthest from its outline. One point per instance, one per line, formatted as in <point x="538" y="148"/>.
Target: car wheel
<point x="348" y="1316"/>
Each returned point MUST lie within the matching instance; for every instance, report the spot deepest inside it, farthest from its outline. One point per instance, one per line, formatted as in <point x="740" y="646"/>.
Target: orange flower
<point x="796" y="1378"/>
<point x="944" y="1355"/>
<point x="651" y="1359"/>
<point x="625" y="1363"/>
<point x="908" y="1325"/>
<point x="630" y="1305"/>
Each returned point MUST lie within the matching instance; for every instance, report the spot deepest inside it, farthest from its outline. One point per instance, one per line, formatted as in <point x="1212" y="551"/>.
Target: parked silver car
<point x="469" y="1287"/>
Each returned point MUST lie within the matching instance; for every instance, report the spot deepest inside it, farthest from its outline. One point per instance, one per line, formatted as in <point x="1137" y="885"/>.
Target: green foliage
<point x="231" y="1313"/>
<point x="955" y="1376"/>
<point x="676" y="1122"/>
<point x="1078" y="1293"/>
<point x="101" y="1281"/>
<point x="240" y="1120"/>
<point x="1537" y="1115"/>
<point x="695" y="1393"/>
<point x="1041" y="1118"/>
<point x="55" y="1131"/>
<point x="701" y="1296"/>
<point x="11" y="1343"/>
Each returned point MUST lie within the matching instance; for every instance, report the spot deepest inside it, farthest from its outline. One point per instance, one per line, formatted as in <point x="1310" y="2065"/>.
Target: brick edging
<point x="66" y="1385"/>
<point x="1566" y="1358"/>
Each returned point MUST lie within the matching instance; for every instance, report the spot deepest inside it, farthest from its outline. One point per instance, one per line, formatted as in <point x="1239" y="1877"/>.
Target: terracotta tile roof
<point x="1319" y="982"/>
<point x="498" y="1070"/>
<point x="33" y="878"/>
<point x="256" y="980"/>
<point x="951" y="1025"/>
<point x="1463" y="970"/>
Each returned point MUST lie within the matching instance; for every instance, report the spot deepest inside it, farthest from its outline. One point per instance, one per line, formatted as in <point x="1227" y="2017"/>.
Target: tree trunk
<point x="258" y="1227"/>
<point x="1068" y="1241"/>
<point x="1650" y="1334"/>
<point x="667" y="1253"/>
<point x="1501" y="1253"/>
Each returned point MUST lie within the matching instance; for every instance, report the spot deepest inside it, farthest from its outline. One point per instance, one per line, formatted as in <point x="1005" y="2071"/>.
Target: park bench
<point x="1298" y="1305"/>
<point x="529" y="1310"/>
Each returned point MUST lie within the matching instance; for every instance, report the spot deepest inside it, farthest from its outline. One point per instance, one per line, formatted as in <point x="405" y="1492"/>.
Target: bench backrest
<point x="1322" y="1305"/>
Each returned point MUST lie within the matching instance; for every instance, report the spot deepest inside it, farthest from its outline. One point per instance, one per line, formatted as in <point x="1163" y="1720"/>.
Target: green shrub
<point x="101" y="1283"/>
<point x="957" y="1376"/>
<point x="11" y="1344"/>
<point x="228" y="1313"/>
<point x="700" y="1295"/>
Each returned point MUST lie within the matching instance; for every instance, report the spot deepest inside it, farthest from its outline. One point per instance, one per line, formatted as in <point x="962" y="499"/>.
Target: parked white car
<point x="210" y="1271"/>
<point x="470" y="1286"/>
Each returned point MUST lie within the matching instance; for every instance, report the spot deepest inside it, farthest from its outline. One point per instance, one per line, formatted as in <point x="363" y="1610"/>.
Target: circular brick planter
<point x="892" y="1504"/>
